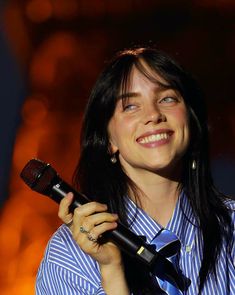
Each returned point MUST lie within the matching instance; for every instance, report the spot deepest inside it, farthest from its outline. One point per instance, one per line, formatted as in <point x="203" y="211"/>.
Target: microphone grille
<point x="39" y="176"/>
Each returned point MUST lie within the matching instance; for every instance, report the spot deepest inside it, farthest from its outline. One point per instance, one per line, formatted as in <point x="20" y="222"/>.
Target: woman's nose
<point x="153" y="114"/>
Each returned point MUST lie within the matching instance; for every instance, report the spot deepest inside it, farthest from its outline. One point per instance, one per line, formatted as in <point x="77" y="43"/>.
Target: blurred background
<point x="51" y="52"/>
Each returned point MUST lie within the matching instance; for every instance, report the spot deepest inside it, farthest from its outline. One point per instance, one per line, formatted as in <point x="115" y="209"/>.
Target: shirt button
<point x="188" y="248"/>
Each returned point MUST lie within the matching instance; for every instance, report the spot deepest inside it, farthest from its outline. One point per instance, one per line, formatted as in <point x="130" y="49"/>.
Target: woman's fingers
<point x="97" y="231"/>
<point x="92" y="220"/>
<point x="97" y="223"/>
<point x="89" y="216"/>
<point x="89" y="208"/>
<point x="63" y="212"/>
<point x="87" y="239"/>
<point x="89" y="222"/>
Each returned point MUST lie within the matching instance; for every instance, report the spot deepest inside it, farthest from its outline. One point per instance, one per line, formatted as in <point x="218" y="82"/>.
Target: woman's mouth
<point x="154" y="137"/>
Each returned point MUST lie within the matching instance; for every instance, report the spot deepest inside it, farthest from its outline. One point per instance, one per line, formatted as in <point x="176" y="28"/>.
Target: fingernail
<point x="70" y="196"/>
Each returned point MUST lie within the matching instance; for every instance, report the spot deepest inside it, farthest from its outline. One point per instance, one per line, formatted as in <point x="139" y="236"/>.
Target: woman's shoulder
<point x="62" y="250"/>
<point x="230" y="204"/>
<point x="66" y="267"/>
<point x="60" y="244"/>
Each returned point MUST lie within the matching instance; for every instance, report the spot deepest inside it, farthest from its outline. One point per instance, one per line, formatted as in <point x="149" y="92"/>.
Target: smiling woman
<point x="144" y="162"/>
<point x="151" y="122"/>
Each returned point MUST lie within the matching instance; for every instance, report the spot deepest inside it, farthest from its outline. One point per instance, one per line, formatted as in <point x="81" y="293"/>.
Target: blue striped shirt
<point x="67" y="270"/>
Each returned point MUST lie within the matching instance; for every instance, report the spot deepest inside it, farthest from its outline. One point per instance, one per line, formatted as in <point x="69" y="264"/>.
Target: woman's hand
<point x="89" y="222"/>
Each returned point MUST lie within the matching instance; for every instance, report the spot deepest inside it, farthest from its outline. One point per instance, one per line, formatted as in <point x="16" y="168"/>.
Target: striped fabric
<point x="67" y="270"/>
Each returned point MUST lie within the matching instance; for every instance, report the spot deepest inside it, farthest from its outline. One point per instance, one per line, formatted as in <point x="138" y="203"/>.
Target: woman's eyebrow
<point x="163" y="87"/>
<point x="159" y="87"/>
<point x="128" y="95"/>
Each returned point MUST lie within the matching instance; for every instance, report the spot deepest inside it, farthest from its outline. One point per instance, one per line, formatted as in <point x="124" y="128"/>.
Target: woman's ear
<point x="112" y="148"/>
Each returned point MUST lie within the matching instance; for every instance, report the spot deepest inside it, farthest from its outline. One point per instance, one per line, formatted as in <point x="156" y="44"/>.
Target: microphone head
<point x="39" y="176"/>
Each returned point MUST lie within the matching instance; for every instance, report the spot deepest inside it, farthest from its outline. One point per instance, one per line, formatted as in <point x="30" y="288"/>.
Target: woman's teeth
<point x="154" y="137"/>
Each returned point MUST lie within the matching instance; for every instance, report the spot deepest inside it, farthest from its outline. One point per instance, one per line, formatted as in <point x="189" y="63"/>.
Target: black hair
<point x="105" y="182"/>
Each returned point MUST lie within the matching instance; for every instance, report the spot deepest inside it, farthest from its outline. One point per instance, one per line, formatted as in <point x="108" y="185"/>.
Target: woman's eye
<point x="129" y="107"/>
<point x="168" y="99"/>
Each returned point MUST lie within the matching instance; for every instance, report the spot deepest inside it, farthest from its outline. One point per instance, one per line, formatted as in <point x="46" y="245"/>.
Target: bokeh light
<point x="49" y="61"/>
<point x="34" y="110"/>
<point x="65" y="9"/>
<point x="39" y="11"/>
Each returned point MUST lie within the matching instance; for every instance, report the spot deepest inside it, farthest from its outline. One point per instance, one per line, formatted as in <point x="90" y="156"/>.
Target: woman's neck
<point x="158" y="195"/>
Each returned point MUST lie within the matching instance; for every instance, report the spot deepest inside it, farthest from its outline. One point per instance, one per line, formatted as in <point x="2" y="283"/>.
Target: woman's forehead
<point x="142" y="73"/>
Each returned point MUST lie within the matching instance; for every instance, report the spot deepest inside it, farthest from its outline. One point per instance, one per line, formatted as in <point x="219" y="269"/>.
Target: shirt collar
<point x="142" y="224"/>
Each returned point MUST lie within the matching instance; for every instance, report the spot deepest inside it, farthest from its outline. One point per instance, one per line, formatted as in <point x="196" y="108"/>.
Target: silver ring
<point x="83" y="230"/>
<point x="91" y="238"/>
<point x="69" y="223"/>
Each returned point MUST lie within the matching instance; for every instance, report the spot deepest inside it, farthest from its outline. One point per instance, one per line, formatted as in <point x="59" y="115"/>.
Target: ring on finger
<point x="83" y="230"/>
<point x="91" y="238"/>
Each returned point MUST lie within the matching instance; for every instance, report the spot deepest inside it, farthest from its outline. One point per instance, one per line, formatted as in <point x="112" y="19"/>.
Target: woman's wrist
<point x="113" y="279"/>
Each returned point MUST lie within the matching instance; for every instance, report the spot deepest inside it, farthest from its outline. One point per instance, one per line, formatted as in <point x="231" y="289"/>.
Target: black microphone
<point x="42" y="178"/>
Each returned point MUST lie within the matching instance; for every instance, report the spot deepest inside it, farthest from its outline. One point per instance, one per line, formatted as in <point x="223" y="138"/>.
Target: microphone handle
<point x="124" y="238"/>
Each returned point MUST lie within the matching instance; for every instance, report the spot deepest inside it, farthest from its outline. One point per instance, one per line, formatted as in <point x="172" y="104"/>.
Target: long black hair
<point x="105" y="182"/>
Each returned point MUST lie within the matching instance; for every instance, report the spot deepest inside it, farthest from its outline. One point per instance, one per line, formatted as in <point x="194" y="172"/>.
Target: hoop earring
<point x="113" y="159"/>
<point x="194" y="165"/>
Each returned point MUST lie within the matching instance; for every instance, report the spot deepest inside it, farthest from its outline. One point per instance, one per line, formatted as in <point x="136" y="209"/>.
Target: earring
<point x="194" y="165"/>
<point x="113" y="159"/>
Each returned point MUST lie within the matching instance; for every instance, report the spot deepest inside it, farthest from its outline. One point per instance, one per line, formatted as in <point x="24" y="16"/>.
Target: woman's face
<point x="150" y="127"/>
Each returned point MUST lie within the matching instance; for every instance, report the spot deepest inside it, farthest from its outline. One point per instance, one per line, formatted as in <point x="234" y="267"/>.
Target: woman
<point x="144" y="161"/>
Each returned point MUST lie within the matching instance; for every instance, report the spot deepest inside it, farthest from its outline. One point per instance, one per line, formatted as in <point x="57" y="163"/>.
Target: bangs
<point x="147" y="70"/>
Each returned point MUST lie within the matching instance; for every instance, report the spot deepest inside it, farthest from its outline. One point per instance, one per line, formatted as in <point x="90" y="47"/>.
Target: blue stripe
<point x="67" y="270"/>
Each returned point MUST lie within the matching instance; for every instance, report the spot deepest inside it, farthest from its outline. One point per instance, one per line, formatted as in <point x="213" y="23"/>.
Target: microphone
<point x="42" y="178"/>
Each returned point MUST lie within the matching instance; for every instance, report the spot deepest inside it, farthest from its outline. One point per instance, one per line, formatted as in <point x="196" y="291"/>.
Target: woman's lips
<point x="156" y="138"/>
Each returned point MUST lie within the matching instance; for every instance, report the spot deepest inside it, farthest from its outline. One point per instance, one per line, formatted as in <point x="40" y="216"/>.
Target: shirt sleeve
<point x="230" y="204"/>
<point x="233" y="242"/>
<point x="56" y="280"/>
